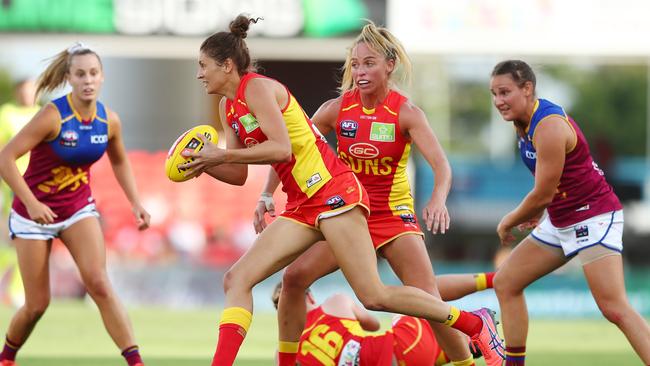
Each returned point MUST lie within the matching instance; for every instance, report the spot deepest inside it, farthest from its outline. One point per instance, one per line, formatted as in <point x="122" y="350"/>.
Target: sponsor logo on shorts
<point x="313" y="180"/>
<point x="582" y="231"/>
<point x="408" y="218"/>
<point x="69" y="138"/>
<point x="349" y="128"/>
<point x="335" y="202"/>
<point x="362" y="150"/>
<point x="383" y="132"/>
<point x="583" y="208"/>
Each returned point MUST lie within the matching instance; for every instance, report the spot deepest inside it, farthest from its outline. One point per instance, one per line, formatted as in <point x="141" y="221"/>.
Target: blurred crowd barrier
<point x="199" y="228"/>
<point x="201" y="221"/>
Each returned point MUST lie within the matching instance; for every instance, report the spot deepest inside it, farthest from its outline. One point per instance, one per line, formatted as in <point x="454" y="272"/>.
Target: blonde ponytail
<point x="55" y="74"/>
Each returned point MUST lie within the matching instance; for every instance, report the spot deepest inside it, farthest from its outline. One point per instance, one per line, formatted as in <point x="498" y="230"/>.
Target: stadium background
<point x="589" y="55"/>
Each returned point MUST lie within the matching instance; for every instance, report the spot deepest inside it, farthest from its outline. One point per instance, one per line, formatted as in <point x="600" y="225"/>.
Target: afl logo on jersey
<point x="363" y="150"/>
<point x="69" y="138"/>
<point x="235" y="126"/>
<point x="349" y="128"/>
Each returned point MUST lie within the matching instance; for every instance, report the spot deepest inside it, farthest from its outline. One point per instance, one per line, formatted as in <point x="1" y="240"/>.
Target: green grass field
<point x="71" y="334"/>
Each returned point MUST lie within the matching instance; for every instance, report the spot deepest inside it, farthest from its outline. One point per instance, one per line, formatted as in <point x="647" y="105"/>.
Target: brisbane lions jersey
<point x="583" y="191"/>
<point x="371" y="143"/>
<point x="312" y="163"/>
<point x="59" y="170"/>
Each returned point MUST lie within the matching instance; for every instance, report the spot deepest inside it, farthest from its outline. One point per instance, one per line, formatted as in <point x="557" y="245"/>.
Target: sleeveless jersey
<point x="332" y="341"/>
<point x="59" y="170"/>
<point x="371" y="143"/>
<point x="312" y="163"/>
<point x="583" y="191"/>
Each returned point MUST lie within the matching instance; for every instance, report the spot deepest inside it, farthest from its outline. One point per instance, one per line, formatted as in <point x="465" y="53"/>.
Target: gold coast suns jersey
<point x="312" y="163"/>
<point x="371" y="144"/>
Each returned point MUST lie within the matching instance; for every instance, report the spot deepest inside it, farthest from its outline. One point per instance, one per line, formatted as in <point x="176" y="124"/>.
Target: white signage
<point x="548" y="27"/>
<point x="282" y="18"/>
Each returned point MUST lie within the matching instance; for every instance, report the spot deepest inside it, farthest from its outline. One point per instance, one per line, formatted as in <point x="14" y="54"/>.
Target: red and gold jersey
<point x="415" y="344"/>
<point x="333" y="341"/>
<point x="312" y="163"/>
<point x="371" y="143"/>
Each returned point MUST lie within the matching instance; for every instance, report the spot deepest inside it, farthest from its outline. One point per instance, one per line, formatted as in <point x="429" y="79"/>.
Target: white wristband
<point x="267" y="198"/>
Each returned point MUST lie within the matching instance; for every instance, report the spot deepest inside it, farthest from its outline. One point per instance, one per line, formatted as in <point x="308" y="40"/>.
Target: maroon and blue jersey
<point x="583" y="191"/>
<point x="59" y="170"/>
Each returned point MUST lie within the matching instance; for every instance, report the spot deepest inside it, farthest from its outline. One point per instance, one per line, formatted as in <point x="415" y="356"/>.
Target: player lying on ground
<point x="335" y="330"/>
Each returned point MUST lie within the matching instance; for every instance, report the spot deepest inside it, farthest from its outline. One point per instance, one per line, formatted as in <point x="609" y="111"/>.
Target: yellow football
<point x="188" y="141"/>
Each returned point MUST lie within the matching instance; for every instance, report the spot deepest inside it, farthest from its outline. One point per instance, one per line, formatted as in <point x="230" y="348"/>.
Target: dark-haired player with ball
<point x="264" y="124"/>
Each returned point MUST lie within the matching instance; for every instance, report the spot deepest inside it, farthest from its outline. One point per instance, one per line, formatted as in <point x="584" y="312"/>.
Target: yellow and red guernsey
<point x="312" y="164"/>
<point x="330" y="340"/>
<point x="371" y="143"/>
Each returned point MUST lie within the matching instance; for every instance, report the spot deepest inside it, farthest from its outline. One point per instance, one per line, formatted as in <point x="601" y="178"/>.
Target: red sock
<point x="468" y="323"/>
<point x="9" y="351"/>
<point x="489" y="279"/>
<point x="132" y="355"/>
<point x="286" y="359"/>
<point x="231" y="337"/>
<point x="515" y="356"/>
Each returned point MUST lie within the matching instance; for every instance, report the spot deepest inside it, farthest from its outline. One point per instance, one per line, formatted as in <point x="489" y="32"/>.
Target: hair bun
<point x="239" y="26"/>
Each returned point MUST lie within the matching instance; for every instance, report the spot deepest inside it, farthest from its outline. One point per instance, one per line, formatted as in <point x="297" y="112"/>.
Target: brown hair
<point x="521" y="73"/>
<point x="275" y="295"/>
<point x="54" y="75"/>
<point x="381" y="40"/>
<point x="223" y="45"/>
<point x="518" y="70"/>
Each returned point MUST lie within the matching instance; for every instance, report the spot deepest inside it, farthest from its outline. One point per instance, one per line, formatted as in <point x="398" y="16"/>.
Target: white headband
<point x="77" y="47"/>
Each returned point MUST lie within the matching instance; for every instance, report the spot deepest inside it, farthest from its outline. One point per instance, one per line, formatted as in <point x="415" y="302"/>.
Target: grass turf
<point x="71" y="334"/>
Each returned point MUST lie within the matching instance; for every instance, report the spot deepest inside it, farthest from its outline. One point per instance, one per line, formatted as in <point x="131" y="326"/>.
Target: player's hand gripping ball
<point x="189" y="142"/>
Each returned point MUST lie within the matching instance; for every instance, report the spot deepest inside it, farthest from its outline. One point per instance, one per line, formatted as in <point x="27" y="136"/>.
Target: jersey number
<point x="323" y="344"/>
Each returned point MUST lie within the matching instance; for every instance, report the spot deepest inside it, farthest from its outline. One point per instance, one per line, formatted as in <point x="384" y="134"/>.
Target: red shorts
<point x="341" y="194"/>
<point x="415" y="344"/>
<point x="377" y="350"/>
<point x="387" y="227"/>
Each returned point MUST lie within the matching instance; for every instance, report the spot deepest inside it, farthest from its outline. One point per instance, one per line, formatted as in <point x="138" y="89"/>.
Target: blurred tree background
<point x="610" y="104"/>
<point x="6" y="86"/>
